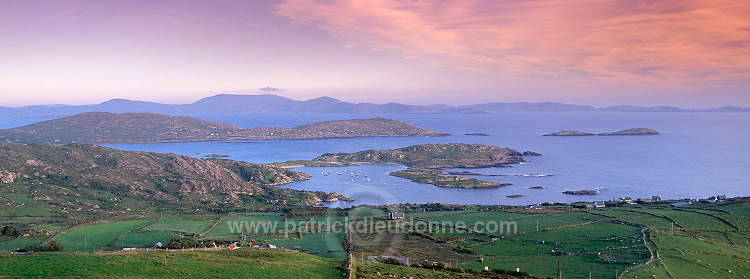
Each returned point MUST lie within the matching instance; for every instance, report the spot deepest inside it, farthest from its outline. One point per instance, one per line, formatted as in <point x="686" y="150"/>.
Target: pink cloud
<point x="620" y="41"/>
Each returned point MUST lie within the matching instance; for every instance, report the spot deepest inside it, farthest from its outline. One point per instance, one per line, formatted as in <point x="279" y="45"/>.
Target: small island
<point x="477" y="134"/>
<point x="582" y="192"/>
<point x="536" y="187"/>
<point x="628" y="132"/>
<point x="568" y="134"/>
<point x="633" y="132"/>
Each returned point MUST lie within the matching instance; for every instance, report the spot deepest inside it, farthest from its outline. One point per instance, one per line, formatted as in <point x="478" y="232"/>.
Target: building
<point x="534" y="206"/>
<point x="599" y="204"/>
<point x="395" y="215"/>
<point x="656" y="198"/>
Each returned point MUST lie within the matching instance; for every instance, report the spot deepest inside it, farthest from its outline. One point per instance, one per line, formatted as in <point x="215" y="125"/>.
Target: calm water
<point x="698" y="155"/>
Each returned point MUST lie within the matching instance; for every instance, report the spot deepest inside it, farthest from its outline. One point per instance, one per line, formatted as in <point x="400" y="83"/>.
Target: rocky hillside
<point x="434" y="156"/>
<point x="111" y="128"/>
<point x="92" y="178"/>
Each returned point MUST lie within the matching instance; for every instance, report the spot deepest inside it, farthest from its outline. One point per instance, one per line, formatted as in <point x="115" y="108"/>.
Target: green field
<point x="705" y="241"/>
<point x="263" y="223"/>
<point x="144" y="239"/>
<point x="177" y="225"/>
<point x="93" y="237"/>
<point x="245" y="263"/>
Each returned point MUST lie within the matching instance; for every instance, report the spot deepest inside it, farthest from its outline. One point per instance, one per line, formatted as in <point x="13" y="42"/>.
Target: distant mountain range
<point x="228" y="103"/>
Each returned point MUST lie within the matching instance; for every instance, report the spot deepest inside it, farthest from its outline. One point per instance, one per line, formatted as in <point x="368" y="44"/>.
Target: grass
<point x="541" y="266"/>
<point x="144" y="239"/>
<point x="224" y="228"/>
<point x="371" y="269"/>
<point x="244" y="263"/>
<point x="93" y="237"/>
<point x="593" y="238"/>
<point x="691" y="220"/>
<point x="312" y="242"/>
<point x="177" y="225"/>
<point x="20" y="243"/>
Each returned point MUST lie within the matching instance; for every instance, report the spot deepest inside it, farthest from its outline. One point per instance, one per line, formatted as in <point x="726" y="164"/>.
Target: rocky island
<point x="632" y="132"/>
<point x="425" y="162"/>
<point x="568" y="134"/>
<point x="129" y="128"/>
<point x="582" y="192"/>
<point x="628" y="132"/>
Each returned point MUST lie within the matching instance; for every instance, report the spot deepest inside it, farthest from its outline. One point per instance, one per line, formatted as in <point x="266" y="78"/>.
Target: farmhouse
<point x="534" y="206"/>
<point x="395" y="215"/>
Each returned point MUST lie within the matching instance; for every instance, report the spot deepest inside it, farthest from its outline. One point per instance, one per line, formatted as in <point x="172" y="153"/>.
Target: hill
<point x="111" y="128"/>
<point x="95" y="179"/>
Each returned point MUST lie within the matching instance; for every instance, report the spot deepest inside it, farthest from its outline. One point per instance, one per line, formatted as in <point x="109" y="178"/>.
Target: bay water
<point x="697" y="155"/>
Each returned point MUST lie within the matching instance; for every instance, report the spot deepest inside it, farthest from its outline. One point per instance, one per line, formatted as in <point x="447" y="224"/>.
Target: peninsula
<point x="129" y="128"/>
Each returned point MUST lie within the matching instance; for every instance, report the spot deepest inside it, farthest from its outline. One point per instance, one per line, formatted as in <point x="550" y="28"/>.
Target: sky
<point x="687" y="53"/>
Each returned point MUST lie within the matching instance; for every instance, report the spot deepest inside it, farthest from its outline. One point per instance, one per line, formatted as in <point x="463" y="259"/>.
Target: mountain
<point x="111" y="128"/>
<point x="523" y="106"/>
<point x="233" y="103"/>
<point x="629" y="108"/>
<point x="92" y="178"/>
<point x="728" y="109"/>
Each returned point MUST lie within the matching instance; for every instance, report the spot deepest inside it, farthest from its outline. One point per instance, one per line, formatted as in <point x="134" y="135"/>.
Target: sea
<point x="697" y="155"/>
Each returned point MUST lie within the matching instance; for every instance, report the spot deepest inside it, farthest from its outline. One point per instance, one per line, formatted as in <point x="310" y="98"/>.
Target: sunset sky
<point x="688" y="53"/>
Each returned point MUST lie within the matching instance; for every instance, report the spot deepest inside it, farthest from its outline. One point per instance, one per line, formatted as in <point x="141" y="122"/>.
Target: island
<point x="426" y="161"/>
<point x="582" y="192"/>
<point x="130" y="128"/>
<point x="628" y="132"/>
<point x="633" y="132"/>
<point x="477" y="134"/>
<point x="569" y="134"/>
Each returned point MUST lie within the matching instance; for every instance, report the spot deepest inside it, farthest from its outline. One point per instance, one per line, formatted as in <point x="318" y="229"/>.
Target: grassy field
<point x="143" y="239"/>
<point x="93" y="237"/>
<point x="707" y="241"/>
<point x="244" y="263"/>
<point x="225" y="227"/>
<point x="177" y="225"/>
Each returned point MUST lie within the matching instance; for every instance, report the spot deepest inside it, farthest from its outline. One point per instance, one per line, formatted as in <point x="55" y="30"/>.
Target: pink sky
<point x="599" y="52"/>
